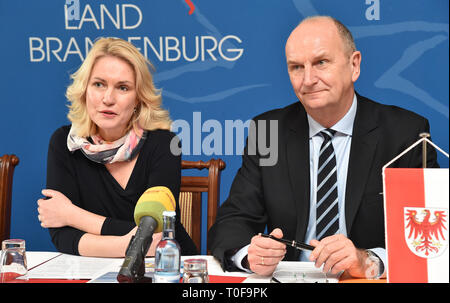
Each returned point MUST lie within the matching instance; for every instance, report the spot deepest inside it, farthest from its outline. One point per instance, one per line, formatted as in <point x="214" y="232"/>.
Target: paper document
<point x="74" y="267"/>
<point x="36" y="258"/>
<point x="295" y="272"/>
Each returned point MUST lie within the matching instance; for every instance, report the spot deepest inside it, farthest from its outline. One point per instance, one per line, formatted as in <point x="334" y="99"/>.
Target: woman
<point x="117" y="146"/>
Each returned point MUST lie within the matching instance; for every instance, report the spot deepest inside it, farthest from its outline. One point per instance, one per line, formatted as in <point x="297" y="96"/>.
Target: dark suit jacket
<point x="279" y="195"/>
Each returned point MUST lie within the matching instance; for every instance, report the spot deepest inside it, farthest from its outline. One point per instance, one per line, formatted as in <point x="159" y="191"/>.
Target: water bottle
<point x="168" y="256"/>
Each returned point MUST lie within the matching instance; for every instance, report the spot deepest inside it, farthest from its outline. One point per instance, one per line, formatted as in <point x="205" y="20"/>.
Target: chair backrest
<point x="7" y="165"/>
<point x="191" y="191"/>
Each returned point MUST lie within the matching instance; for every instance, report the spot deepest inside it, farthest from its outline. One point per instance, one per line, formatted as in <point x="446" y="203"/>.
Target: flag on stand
<point x="416" y="203"/>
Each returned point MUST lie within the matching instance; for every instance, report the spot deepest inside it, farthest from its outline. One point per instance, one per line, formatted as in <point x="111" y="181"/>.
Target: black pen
<point x="275" y="280"/>
<point x="293" y="243"/>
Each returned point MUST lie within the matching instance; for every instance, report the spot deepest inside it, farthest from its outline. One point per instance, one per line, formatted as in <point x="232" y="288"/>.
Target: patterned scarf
<point x="98" y="150"/>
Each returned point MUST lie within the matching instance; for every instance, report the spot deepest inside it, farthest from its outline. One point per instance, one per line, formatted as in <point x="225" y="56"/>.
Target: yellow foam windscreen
<point x="152" y="203"/>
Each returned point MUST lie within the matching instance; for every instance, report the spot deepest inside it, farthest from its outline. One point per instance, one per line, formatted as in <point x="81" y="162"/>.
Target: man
<point x="326" y="187"/>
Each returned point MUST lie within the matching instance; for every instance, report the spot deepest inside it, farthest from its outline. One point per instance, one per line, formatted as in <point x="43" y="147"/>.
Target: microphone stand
<point x="133" y="273"/>
<point x="133" y="266"/>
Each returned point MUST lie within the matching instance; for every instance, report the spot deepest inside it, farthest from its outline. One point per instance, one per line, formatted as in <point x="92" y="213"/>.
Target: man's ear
<point x="355" y="61"/>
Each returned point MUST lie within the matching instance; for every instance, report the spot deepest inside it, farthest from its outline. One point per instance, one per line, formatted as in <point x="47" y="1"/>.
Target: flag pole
<point x="425" y="141"/>
<point x="424" y="149"/>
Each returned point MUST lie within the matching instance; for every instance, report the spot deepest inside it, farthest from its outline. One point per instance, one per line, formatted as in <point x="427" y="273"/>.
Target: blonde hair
<point x="149" y="114"/>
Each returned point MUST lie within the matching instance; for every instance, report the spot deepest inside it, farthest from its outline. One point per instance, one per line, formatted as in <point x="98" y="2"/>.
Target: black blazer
<point x="279" y="195"/>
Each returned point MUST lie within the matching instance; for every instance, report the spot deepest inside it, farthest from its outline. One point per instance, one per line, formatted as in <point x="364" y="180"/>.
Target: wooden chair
<point x="191" y="191"/>
<point x="7" y="165"/>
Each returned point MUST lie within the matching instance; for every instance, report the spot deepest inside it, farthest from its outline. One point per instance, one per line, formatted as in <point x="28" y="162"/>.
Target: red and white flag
<point x="416" y="204"/>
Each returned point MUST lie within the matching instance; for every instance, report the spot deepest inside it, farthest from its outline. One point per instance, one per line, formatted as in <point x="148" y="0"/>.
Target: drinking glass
<point x="195" y="271"/>
<point x="13" y="261"/>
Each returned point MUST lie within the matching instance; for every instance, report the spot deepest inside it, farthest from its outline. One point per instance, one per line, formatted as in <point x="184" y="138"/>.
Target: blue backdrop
<point x="223" y="60"/>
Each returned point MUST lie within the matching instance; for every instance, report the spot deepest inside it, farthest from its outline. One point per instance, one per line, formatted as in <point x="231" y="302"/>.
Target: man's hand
<point x="264" y="254"/>
<point x="337" y="253"/>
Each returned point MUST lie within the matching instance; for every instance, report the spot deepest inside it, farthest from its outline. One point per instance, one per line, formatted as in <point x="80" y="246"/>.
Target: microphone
<point x="148" y="218"/>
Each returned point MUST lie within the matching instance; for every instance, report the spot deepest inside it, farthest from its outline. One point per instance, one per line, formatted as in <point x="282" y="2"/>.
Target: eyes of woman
<point x="97" y="84"/>
<point x="121" y="87"/>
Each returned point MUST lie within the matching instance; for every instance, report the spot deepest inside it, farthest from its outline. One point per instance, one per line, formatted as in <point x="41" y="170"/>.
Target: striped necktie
<point x="327" y="208"/>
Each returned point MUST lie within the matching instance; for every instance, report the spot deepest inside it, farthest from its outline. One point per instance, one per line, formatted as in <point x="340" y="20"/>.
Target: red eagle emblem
<point x="427" y="235"/>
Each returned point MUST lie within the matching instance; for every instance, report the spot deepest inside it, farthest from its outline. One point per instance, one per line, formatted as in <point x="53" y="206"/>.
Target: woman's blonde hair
<point x="148" y="115"/>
